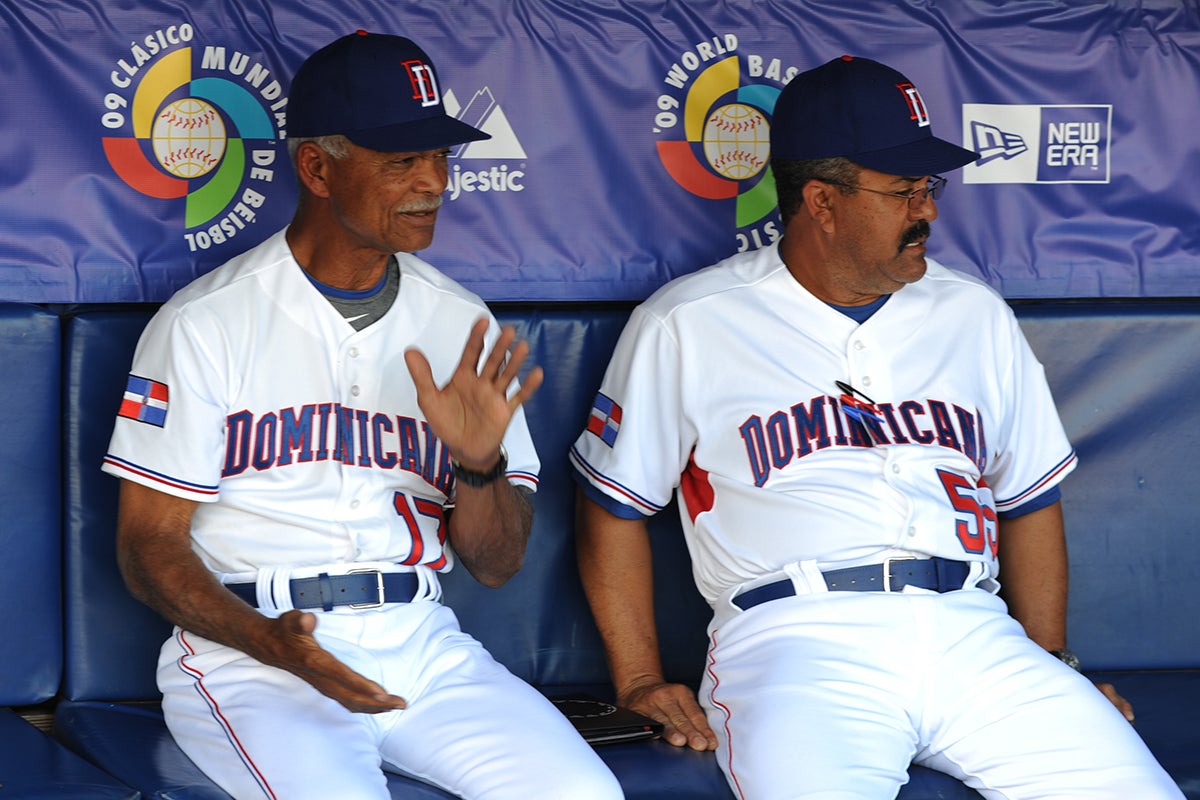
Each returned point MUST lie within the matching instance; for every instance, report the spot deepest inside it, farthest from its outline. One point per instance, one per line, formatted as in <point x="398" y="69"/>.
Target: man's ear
<point x="313" y="165"/>
<point x="819" y="199"/>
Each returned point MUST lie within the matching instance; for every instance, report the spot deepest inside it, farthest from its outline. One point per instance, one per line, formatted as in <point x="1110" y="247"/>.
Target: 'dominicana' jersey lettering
<point x="330" y="431"/>
<point x="785" y="436"/>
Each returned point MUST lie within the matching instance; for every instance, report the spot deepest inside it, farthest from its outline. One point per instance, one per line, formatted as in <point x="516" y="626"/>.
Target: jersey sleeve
<point x="1032" y="453"/>
<point x="170" y="428"/>
<point x="524" y="464"/>
<point x="637" y="439"/>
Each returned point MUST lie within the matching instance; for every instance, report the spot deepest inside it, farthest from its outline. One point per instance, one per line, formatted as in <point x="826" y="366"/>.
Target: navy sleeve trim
<point x="1046" y="498"/>
<point x="614" y="507"/>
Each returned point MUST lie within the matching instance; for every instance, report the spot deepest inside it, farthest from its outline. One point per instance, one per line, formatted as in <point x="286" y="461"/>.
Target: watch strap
<point x="477" y="479"/>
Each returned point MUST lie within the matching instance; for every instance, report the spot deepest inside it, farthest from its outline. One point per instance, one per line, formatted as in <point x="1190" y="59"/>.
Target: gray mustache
<point x="423" y="205"/>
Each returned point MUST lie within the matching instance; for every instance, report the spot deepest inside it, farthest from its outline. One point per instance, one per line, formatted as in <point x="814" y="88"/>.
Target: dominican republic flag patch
<point x="605" y="420"/>
<point x="145" y="400"/>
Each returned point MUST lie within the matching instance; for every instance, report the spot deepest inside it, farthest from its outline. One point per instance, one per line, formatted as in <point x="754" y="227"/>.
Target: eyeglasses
<point x="915" y="198"/>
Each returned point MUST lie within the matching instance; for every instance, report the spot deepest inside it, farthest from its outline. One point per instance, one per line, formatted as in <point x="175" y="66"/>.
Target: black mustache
<point x="919" y="231"/>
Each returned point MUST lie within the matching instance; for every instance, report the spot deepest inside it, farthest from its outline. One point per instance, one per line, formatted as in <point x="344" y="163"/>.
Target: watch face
<point x="1067" y="657"/>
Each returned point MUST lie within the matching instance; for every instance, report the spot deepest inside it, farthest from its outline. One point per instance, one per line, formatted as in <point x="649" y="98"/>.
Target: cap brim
<point x="418" y="135"/>
<point x="926" y="156"/>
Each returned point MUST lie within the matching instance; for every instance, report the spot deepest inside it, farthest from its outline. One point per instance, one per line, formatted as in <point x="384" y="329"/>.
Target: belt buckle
<point x="887" y="570"/>
<point x="378" y="587"/>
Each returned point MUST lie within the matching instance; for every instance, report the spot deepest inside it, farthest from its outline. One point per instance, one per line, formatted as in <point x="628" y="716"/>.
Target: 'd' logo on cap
<point x="916" y="106"/>
<point x="424" y="85"/>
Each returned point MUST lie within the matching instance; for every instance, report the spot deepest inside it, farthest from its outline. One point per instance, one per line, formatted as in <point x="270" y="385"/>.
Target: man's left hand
<point x="1123" y="705"/>
<point x="471" y="412"/>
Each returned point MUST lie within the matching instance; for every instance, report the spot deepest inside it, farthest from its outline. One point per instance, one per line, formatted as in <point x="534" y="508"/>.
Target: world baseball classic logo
<point x="204" y="127"/>
<point x="715" y="131"/>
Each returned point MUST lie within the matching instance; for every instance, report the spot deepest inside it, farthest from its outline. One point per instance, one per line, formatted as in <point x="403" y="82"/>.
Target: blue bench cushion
<point x="112" y="640"/>
<point x="31" y="501"/>
<point x="35" y="767"/>
<point x="132" y="742"/>
<point x="538" y="624"/>
<point x="1133" y="444"/>
<point x="1126" y="377"/>
<point x="1164" y="704"/>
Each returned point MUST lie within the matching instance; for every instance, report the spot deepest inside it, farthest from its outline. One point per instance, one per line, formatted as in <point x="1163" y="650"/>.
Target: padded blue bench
<point x="31" y="763"/>
<point x="538" y="624"/>
<point x="1125" y="375"/>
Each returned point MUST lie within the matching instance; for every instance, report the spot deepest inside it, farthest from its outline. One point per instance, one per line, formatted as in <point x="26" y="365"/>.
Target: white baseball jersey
<point x="723" y="386"/>
<point x="301" y="437"/>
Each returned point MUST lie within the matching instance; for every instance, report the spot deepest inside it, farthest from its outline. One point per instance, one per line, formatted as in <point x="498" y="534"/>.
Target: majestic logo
<point x="721" y="150"/>
<point x="1038" y="144"/>
<point x="483" y="112"/>
<point x="207" y="133"/>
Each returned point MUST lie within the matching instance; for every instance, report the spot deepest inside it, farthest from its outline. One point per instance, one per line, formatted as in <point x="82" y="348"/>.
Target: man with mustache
<point x="312" y="433"/>
<point x="866" y="458"/>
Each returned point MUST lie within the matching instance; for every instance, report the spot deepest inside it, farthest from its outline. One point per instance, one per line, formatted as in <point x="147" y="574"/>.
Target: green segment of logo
<point x="210" y="199"/>
<point x="757" y="201"/>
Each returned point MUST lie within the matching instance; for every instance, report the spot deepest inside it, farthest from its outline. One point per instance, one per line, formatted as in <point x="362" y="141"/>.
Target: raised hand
<point x="471" y="412"/>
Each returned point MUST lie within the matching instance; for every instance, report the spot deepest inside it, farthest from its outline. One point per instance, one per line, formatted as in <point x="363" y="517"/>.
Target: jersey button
<point x="896" y="468"/>
<point x="912" y="532"/>
<point x="866" y="381"/>
<point x="352" y="352"/>
<point x="858" y="345"/>
<point x="354" y="390"/>
<point x="354" y="504"/>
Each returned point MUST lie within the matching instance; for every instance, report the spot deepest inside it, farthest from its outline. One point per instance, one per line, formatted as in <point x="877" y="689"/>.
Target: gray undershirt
<point x="365" y="308"/>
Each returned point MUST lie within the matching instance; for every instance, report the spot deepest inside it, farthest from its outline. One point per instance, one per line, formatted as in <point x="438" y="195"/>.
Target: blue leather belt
<point x="362" y="589"/>
<point x="938" y="574"/>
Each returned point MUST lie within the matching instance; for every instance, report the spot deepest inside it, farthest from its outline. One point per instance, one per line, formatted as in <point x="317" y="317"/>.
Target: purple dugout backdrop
<point x="142" y="143"/>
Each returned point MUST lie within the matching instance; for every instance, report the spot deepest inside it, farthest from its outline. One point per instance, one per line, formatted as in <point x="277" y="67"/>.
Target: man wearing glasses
<point x="859" y="438"/>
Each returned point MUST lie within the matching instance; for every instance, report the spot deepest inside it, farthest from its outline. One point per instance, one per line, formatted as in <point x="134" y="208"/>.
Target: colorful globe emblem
<point x="189" y="138"/>
<point x="725" y="149"/>
<point x="737" y="141"/>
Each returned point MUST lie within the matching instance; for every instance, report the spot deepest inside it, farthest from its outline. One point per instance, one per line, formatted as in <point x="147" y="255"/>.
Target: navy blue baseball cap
<point x="865" y="111"/>
<point x="379" y="91"/>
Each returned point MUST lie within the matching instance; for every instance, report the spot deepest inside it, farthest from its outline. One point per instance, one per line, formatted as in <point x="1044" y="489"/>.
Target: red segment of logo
<point x="131" y="164"/>
<point x="682" y="165"/>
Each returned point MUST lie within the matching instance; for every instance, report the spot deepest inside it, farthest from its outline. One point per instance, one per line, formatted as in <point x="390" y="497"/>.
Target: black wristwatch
<point x="1068" y="657"/>
<point x="480" y="479"/>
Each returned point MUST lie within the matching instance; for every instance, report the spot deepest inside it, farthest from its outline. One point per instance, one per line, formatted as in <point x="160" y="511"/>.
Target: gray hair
<point x="336" y="145"/>
<point x="792" y="175"/>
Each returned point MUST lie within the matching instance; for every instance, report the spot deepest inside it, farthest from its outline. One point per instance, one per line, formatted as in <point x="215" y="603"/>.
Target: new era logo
<point x="1038" y="143"/>
<point x="992" y="143"/>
